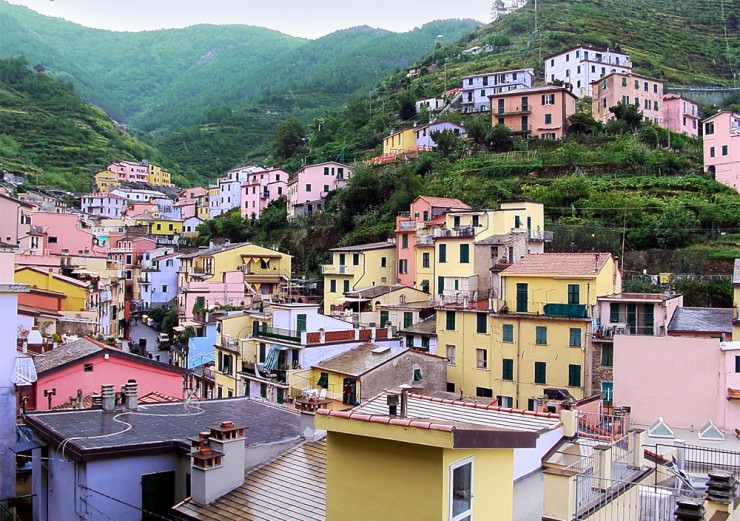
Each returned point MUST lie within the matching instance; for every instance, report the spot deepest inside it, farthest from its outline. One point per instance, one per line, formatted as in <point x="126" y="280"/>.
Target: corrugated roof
<point x="359" y="360"/>
<point x="65" y="354"/>
<point x="427" y="409"/>
<point x="375" y="291"/>
<point x="559" y="264"/>
<point x="291" y="487"/>
<point x="701" y="320"/>
<point x="444" y="202"/>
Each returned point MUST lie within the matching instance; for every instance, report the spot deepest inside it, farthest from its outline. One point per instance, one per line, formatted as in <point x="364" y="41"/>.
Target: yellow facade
<point x="424" y="263"/>
<point x="392" y="473"/>
<point x="158" y="176"/>
<point x="77" y="294"/>
<point x="229" y="330"/>
<point x="356" y="268"/>
<point x="106" y="181"/>
<point x="201" y="209"/>
<point x="164" y="227"/>
<point x="400" y="141"/>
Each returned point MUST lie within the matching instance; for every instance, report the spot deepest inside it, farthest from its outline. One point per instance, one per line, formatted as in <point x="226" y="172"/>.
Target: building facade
<point x="309" y="186"/>
<point x="581" y="66"/>
<point x="646" y="94"/>
<point x="722" y="148"/>
<point x="538" y="112"/>
<point x="477" y="88"/>
<point x="680" y="115"/>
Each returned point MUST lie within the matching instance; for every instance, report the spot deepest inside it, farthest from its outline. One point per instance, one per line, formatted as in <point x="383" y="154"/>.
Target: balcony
<point x="466" y="232"/>
<point x="523" y="130"/>
<point x="228" y="342"/>
<point x="565" y="310"/>
<point x="209" y="374"/>
<point x="424" y="240"/>
<point x="337" y="269"/>
<point x="407" y="225"/>
<point x="280" y="334"/>
<point x="517" y="111"/>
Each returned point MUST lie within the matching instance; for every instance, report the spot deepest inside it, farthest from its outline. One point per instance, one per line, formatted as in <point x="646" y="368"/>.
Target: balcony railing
<point x="407" y="225"/>
<point x="424" y="240"/>
<point x="280" y="334"/>
<point x="565" y="310"/>
<point x="337" y="269"/>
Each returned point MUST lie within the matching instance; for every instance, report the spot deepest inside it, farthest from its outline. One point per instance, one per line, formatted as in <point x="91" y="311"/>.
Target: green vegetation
<point x="51" y="136"/>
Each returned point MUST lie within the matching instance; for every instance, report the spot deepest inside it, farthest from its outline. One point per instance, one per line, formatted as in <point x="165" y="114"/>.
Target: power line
<point x="140" y="509"/>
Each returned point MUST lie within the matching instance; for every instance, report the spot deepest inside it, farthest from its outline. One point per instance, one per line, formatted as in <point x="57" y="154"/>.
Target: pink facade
<point x="680" y="115"/>
<point x="149" y="375"/>
<point x="540" y="111"/>
<point x="260" y="189"/>
<point x="311" y="184"/>
<point x="231" y="291"/>
<point x="422" y="209"/>
<point x="65" y="235"/>
<point x="686" y="381"/>
<point x="103" y="205"/>
<point x="636" y="313"/>
<point x="127" y="171"/>
<point x="15" y="221"/>
<point x="722" y="148"/>
<point x="644" y="93"/>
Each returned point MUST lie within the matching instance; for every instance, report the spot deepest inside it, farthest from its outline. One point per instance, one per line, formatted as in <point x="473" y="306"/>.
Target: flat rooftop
<point x="160" y="427"/>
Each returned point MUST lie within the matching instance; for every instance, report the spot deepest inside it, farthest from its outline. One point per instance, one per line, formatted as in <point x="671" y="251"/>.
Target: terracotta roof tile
<point x="559" y="264"/>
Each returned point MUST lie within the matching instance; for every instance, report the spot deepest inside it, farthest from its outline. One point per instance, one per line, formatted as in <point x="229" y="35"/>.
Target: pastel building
<point x="477" y="88"/>
<point x="15" y="221"/>
<point x="310" y="186"/>
<point x="66" y="235"/>
<point x="136" y="195"/>
<point x="106" y="180"/>
<point x="680" y="114"/>
<point x="722" y="148"/>
<point x="644" y="93"/>
<point x="103" y="205"/>
<point x="538" y="112"/>
<point x="430" y="105"/>
<point x="158" y="279"/>
<point x="260" y="189"/>
<point x="580" y="66"/>
<point x="130" y="172"/>
<point x="418" y="138"/>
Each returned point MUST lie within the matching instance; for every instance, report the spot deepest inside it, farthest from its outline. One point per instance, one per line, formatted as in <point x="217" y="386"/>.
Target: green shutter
<point x="442" y="253"/>
<point x="575" y="337"/>
<point x="464" y="253"/>
<point x="450" y="321"/>
<point x="408" y="319"/>
<point x="607" y="355"/>
<point x="482" y="323"/>
<point x="574" y="375"/>
<point x="649" y="319"/>
<point x="440" y="285"/>
<point x="333" y="286"/>
<point x="540" y="373"/>
<point x="508" y="333"/>
<point x="300" y="323"/>
<point x="384" y="318"/>
<point x="522" y="290"/>
<point x="507" y="369"/>
<point x="574" y="294"/>
<point x="614" y="312"/>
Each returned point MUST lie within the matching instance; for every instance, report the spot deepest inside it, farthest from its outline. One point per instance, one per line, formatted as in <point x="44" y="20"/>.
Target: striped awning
<point x="271" y="360"/>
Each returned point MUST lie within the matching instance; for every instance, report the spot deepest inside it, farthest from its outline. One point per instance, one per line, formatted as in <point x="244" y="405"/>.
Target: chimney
<point x="217" y="462"/>
<point x="689" y="509"/>
<point x="322" y="336"/>
<point x="108" y="395"/>
<point x="405" y="400"/>
<point x="308" y="428"/>
<point x="130" y="395"/>
<point x="721" y="487"/>
<point x="97" y="401"/>
<point x="392" y="404"/>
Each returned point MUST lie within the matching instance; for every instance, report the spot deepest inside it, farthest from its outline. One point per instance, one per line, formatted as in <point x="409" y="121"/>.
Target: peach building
<point x="680" y="115"/>
<point x="643" y="92"/>
<point x="722" y="147"/>
<point x="540" y="111"/>
<point x="65" y="235"/>
<point x="310" y="186"/>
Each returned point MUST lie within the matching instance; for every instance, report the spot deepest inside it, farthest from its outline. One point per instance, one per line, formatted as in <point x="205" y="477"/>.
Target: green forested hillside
<point x="52" y="137"/>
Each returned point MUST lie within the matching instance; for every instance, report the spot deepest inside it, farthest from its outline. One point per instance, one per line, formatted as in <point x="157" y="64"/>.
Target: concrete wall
<point x="400" y="371"/>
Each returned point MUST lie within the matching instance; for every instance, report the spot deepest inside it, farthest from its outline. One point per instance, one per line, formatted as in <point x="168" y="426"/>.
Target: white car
<point x="163" y="338"/>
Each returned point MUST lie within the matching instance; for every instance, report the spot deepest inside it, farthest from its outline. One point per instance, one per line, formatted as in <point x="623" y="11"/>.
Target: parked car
<point x="163" y="338"/>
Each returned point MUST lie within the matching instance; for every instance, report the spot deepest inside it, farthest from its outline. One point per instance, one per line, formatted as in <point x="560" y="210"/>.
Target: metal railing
<point x="337" y="269"/>
<point x="279" y="333"/>
<point x="606" y="427"/>
<point x="627" y="501"/>
<point x="694" y="459"/>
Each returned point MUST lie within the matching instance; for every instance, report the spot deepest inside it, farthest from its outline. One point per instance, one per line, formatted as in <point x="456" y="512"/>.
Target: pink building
<point x="680" y="115"/>
<point x="644" y="93"/>
<point x="189" y="200"/>
<point x="66" y="236"/>
<point x="130" y="172"/>
<point x="722" y="147"/>
<point x="81" y="367"/>
<point x="205" y="295"/>
<point x="541" y="111"/>
<point x="15" y="221"/>
<point x="423" y="209"/>
<point x="103" y="205"/>
<point x="260" y="189"/>
<point x="685" y="381"/>
<point x="311" y="184"/>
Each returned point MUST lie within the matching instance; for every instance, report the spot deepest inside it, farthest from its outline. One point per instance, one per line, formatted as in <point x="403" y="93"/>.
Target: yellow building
<point x="158" y="176"/>
<point x="232" y="349"/>
<point x="106" y="181"/>
<point x="400" y="141"/>
<point x="445" y="461"/>
<point x="357" y="267"/>
<point x="535" y="335"/>
<point x="261" y="266"/>
<point x="80" y="295"/>
<point x="162" y="226"/>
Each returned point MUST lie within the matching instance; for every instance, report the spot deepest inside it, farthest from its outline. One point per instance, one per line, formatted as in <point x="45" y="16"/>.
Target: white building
<point x="103" y="205"/>
<point x="477" y="87"/>
<point x="424" y="133"/>
<point x="230" y="189"/>
<point x="137" y="196"/>
<point x="581" y="66"/>
<point x="158" y="281"/>
<point x="430" y="105"/>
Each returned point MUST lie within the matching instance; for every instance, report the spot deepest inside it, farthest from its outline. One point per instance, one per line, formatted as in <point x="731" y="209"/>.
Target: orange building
<point x="539" y="111"/>
<point x="643" y="92"/>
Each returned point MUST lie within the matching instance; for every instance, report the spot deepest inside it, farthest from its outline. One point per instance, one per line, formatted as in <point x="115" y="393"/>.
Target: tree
<point x="628" y="113"/>
<point x="583" y="123"/>
<point x="288" y="137"/>
<point x="447" y="141"/>
<point x="406" y="107"/>
<point x="499" y="138"/>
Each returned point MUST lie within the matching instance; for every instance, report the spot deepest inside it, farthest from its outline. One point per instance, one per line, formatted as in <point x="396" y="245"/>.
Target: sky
<point x="304" y="18"/>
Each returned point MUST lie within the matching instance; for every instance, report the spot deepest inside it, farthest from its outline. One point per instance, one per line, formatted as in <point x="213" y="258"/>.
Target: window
<point x="326" y="189"/>
<point x="440" y="285"/>
<point x="405" y="241"/>
<point x="709" y="128"/>
<point x="531" y="404"/>
<point x="355" y="259"/>
<point x="624" y="82"/>
<point x="481" y="357"/>
<point x="574" y="375"/>
<point x="637" y="84"/>
<point x="507" y="369"/>
<point x="451" y="355"/>
<point x="637" y="102"/>
<point x="345" y="286"/>
<point x="417" y="375"/>
<point x="646" y="88"/>
<point x="548" y="119"/>
<point x="461" y="490"/>
<point x="613" y="312"/>
<point x="540" y="373"/>
<point x="164" y="288"/>
<point x="403" y="266"/>
<point x="450" y="320"/>
<point x="508" y="333"/>
<point x="483" y="93"/>
<point x="383" y="262"/>
<point x="442" y="253"/>
<point x="737" y="364"/>
<point x="323" y="382"/>
<point x="607" y="355"/>
<point x="573" y="294"/>
<point x="711" y="154"/>
<point x="484" y="392"/>
<point x="408" y="319"/>
<point x="425" y="343"/>
<point x="383" y="318"/>
<point x="724" y="150"/>
<point x="507" y="402"/>
<point x="481" y="323"/>
<point x="333" y="286"/>
<point x="521" y="297"/>
<point x="475" y="222"/>
<point x="648" y="104"/>
<point x="548" y="99"/>
<point x="541" y="335"/>
<point x="409" y="341"/>
<point x="655" y="105"/>
<point x="575" y="337"/>
<point x="88" y="368"/>
<point x="464" y="253"/>
<point x="456" y="222"/>
<point x="425" y="260"/>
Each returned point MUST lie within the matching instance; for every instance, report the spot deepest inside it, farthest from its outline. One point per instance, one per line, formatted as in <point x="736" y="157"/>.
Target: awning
<point x="23" y="446"/>
<point x="179" y="329"/>
<point x="271" y="360"/>
<point x="24" y="372"/>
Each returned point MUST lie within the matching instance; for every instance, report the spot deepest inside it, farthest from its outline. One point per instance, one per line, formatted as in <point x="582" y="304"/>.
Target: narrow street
<point x="140" y="330"/>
